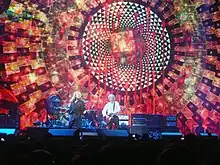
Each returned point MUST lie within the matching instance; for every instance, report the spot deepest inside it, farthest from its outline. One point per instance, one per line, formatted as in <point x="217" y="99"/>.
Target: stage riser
<point x="7" y="131"/>
<point x="62" y="132"/>
<point x="46" y="132"/>
<point x="39" y="132"/>
<point x="115" y="133"/>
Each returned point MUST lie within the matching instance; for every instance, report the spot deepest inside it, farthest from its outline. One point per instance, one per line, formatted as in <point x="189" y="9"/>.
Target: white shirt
<point x="111" y="108"/>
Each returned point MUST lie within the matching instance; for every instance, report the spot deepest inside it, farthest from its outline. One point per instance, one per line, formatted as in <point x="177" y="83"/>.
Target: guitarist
<point x="111" y="112"/>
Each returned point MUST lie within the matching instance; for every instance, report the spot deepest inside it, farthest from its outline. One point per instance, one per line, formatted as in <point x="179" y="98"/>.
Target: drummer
<point x="91" y="116"/>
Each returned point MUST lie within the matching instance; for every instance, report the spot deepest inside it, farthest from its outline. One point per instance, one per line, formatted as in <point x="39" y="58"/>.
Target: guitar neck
<point x="112" y="114"/>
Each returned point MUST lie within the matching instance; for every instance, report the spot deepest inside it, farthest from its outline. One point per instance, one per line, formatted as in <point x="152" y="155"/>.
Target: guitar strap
<point x="114" y="107"/>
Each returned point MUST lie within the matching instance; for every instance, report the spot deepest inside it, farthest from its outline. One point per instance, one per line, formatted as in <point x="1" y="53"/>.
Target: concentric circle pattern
<point x="126" y="46"/>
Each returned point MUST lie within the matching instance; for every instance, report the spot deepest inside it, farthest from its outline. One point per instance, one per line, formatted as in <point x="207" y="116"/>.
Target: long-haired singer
<point x="77" y="108"/>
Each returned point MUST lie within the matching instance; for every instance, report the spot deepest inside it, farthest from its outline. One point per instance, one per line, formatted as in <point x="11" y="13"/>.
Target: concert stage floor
<point x="64" y="132"/>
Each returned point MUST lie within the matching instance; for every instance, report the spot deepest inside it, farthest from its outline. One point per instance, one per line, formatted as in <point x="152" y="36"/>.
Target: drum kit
<point x="90" y="119"/>
<point x="58" y="116"/>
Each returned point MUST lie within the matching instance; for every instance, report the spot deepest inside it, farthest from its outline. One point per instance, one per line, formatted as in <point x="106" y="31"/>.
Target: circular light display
<point x="126" y="46"/>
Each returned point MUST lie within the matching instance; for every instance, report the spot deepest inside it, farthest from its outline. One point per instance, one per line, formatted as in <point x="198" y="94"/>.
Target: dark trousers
<point x="75" y="121"/>
<point x="114" y="120"/>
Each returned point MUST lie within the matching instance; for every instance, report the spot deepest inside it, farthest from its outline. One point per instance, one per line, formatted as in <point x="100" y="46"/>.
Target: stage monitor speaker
<point x="86" y="132"/>
<point x="62" y="132"/>
<point x="115" y="133"/>
<point x="37" y="132"/>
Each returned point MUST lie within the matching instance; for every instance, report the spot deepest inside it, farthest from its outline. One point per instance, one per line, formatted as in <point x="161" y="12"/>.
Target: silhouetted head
<point x="42" y="157"/>
<point x="176" y="154"/>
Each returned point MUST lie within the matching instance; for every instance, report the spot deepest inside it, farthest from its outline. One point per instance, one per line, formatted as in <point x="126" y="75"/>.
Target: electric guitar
<point x="110" y="116"/>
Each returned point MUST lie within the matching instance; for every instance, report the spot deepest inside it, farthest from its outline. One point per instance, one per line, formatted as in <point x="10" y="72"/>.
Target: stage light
<point x="2" y="139"/>
<point x="136" y="136"/>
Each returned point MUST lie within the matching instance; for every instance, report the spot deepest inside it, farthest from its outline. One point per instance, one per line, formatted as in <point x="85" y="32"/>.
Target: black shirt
<point x="77" y="107"/>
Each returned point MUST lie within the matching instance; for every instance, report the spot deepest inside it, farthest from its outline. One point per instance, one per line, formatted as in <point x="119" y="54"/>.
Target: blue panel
<point x="62" y="132"/>
<point x="7" y="131"/>
<point x="205" y="134"/>
<point x="171" y="118"/>
<point x="172" y="133"/>
<point x="116" y="133"/>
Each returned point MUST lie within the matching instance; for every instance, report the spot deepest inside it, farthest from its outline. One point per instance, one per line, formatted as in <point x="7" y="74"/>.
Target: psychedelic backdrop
<point x="156" y="56"/>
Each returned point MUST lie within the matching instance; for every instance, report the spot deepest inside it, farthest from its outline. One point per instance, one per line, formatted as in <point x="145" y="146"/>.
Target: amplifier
<point x="9" y="121"/>
<point x="123" y="120"/>
<point x="151" y="121"/>
<point x="123" y="117"/>
<point x="170" y="121"/>
<point x="123" y="123"/>
<point x="139" y="120"/>
<point x="155" y="121"/>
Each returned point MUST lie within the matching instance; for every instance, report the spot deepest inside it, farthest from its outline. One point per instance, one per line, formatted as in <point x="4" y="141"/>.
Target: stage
<point x="83" y="133"/>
